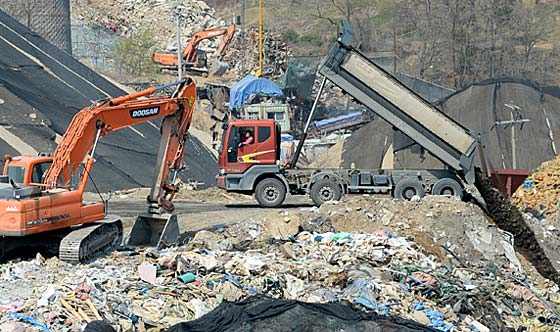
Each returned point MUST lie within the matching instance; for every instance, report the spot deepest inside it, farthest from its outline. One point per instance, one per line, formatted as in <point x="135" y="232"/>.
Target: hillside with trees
<point x="449" y="42"/>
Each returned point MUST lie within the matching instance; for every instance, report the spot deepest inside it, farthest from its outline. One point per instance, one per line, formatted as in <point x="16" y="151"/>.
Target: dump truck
<point x="255" y="168"/>
<point x="41" y="197"/>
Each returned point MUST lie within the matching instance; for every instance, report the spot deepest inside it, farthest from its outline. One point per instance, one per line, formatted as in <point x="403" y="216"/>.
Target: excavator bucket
<point x="153" y="230"/>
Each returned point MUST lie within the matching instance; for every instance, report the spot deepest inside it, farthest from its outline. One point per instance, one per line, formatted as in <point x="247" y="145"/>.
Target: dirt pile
<point x="508" y="217"/>
<point x="451" y="230"/>
<point x="213" y="195"/>
<point x="540" y="192"/>
<point x="330" y="159"/>
<point x="366" y="251"/>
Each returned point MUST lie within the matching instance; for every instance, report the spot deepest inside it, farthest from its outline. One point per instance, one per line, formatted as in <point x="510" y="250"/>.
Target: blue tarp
<point x="286" y="138"/>
<point x="241" y="90"/>
<point x="348" y="116"/>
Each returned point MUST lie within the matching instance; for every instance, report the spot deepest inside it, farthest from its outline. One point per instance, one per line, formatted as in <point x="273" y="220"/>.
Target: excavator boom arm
<point x="190" y="53"/>
<point x="98" y="120"/>
<point x="226" y="39"/>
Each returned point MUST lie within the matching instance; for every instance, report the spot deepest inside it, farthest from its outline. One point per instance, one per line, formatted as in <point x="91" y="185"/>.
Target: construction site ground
<point x="454" y="260"/>
<point x="198" y="210"/>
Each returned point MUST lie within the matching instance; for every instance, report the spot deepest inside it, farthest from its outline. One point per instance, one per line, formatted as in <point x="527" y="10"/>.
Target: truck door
<point x="248" y="146"/>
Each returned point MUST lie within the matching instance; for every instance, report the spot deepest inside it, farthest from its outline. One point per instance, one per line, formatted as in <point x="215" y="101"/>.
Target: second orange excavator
<point x="195" y="59"/>
<point x="41" y="198"/>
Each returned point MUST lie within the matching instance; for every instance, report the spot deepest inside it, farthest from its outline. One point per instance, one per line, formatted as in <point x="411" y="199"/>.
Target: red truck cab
<point x="237" y="157"/>
<point x="242" y="164"/>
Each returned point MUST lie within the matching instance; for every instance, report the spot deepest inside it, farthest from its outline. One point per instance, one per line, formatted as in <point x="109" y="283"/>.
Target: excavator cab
<point x="202" y="59"/>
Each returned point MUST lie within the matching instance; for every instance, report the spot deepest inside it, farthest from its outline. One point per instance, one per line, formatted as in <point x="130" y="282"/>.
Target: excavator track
<point x="91" y="241"/>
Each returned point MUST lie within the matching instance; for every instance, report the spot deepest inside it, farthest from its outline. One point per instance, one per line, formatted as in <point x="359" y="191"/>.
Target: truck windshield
<point x="222" y="142"/>
<point x="16" y="173"/>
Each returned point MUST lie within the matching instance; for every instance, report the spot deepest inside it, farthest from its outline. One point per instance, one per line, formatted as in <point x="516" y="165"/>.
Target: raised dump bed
<point x="383" y="94"/>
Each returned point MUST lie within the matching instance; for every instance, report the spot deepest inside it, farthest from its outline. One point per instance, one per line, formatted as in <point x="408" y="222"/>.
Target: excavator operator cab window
<point x="202" y="59"/>
<point x="16" y="173"/>
<point x="39" y="171"/>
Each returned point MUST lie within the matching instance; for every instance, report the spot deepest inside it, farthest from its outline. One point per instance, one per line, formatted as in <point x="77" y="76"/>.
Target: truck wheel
<point x="406" y="189"/>
<point x="270" y="193"/>
<point x="325" y="190"/>
<point x="449" y="187"/>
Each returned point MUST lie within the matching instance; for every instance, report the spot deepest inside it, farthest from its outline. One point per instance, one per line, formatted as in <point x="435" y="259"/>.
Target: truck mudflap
<point x="221" y="181"/>
<point x="154" y="230"/>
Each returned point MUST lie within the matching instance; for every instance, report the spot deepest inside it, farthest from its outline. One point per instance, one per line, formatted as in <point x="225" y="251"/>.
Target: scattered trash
<point x="148" y="273"/>
<point x="376" y="270"/>
<point x="187" y="277"/>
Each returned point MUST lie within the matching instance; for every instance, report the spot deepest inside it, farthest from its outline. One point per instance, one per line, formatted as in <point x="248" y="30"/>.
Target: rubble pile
<point x="127" y="17"/>
<point x="540" y="192"/>
<point x="243" y="54"/>
<point x="306" y="255"/>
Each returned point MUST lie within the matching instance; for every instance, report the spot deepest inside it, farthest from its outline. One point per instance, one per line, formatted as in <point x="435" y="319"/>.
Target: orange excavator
<point x="41" y="198"/>
<point x="195" y="60"/>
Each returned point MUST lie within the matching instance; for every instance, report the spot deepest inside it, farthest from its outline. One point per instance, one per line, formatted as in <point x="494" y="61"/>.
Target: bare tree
<point x="359" y="13"/>
<point x="419" y="22"/>
<point x="532" y="27"/>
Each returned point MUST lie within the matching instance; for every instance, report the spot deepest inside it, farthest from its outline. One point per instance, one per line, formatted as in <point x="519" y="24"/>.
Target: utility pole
<point x="516" y="118"/>
<point x="243" y="30"/>
<point x="242" y="17"/>
<point x="259" y="72"/>
<point x="179" y="53"/>
<point x="394" y="47"/>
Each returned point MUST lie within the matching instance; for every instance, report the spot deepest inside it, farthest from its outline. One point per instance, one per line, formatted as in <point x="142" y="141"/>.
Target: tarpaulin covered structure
<point x="299" y="76"/>
<point x="249" y="85"/>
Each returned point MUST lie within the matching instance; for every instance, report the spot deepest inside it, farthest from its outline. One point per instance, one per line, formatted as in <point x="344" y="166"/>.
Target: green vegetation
<point x="291" y="35"/>
<point x="133" y="55"/>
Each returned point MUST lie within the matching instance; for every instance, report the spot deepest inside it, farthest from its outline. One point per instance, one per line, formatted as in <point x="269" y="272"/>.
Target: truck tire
<point x="325" y="190"/>
<point x="270" y="193"/>
<point x="406" y="189"/>
<point x="449" y="187"/>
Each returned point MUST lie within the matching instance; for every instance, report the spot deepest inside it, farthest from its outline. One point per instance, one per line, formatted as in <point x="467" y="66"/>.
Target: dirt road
<point x="194" y="216"/>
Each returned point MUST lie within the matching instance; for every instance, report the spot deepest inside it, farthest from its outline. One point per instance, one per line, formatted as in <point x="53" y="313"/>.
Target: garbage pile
<point x="540" y="192"/>
<point x="304" y="255"/>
